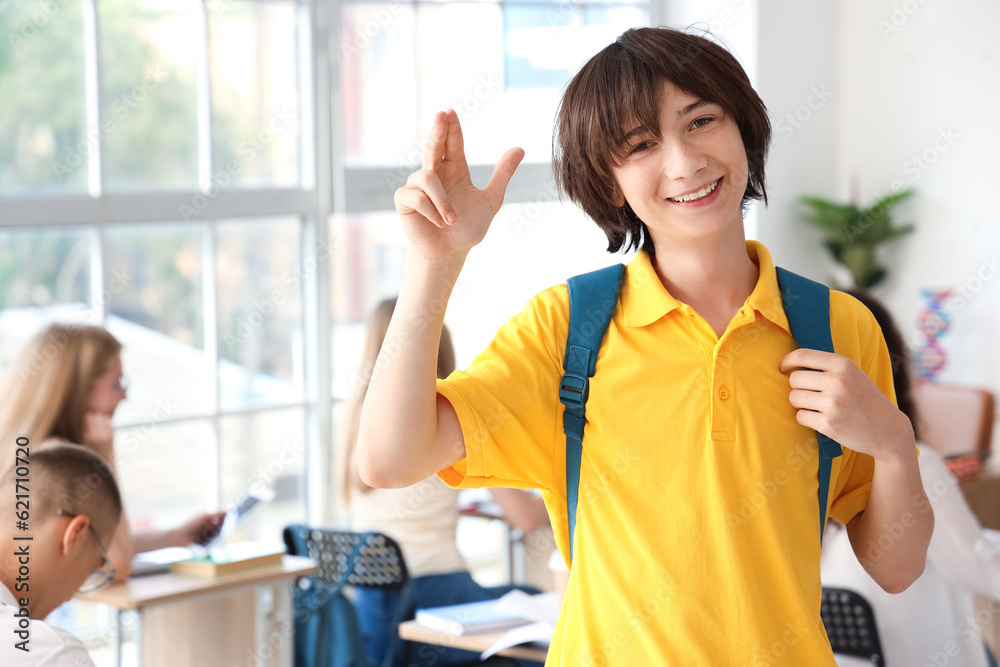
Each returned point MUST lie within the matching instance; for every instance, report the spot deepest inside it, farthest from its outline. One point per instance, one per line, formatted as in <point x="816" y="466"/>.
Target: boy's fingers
<point x="806" y="400"/>
<point x="434" y="152"/>
<point x="503" y="171"/>
<point x="414" y="200"/>
<point x="806" y="379"/>
<point x="429" y="182"/>
<point x="806" y="358"/>
<point x="454" y="149"/>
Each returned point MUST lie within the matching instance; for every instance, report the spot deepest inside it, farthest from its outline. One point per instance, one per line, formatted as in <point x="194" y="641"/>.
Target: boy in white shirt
<point x="61" y="506"/>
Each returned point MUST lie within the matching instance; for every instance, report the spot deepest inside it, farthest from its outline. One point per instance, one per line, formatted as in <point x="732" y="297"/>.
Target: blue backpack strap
<point x="593" y="298"/>
<point x="807" y="306"/>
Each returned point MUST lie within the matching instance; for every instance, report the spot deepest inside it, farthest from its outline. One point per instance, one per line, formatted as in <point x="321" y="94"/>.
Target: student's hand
<point x="98" y="434"/>
<point x="843" y="403"/>
<point x="444" y="215"/>
<point x="200" y="529"/>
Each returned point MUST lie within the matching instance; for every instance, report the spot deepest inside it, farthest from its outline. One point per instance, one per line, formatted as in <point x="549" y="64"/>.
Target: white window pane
<point x="472" y="83"/>
<point x="537" y="76"/>
<point x="154" y="295"/>
<point x="255" y="95"/>
<point x="379" y="85"/>
<point x="267" y="449"/>
<point x="42" y="117"/>
<point x="367" y="266"/>
<point x="45" y="267"/>
<point x="529" y="231"/>
<point x="260" y="275"/>
<point x="149" y="129"/>
<point x="162" y="471"/>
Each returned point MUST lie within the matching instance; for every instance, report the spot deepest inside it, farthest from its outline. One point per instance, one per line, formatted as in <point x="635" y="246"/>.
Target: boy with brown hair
<point x="696" y="539"/>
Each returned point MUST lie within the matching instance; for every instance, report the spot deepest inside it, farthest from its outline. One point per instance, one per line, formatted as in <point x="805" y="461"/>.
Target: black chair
<point x="353" y="559"/>
<point x="850" y="624"/>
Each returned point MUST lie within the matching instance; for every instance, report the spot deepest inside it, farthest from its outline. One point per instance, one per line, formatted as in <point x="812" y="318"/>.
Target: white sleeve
<point x="52" y="646"/>
<point x="967" y="554"/>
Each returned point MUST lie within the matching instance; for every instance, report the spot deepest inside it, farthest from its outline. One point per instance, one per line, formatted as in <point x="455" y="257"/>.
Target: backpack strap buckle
<point x="574" y="390"/>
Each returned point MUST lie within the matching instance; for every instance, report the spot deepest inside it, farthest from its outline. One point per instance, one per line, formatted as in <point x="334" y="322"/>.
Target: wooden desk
<point x="478" y="642"/>
<point x="235" y="619"/>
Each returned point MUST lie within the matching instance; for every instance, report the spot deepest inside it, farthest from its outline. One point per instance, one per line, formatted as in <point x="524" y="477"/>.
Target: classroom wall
<point x="921" y="103"/>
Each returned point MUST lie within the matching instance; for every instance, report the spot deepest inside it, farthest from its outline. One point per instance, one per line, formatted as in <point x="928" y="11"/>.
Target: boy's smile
<point x="688" y="180"/>
<point x="698" y="196"/>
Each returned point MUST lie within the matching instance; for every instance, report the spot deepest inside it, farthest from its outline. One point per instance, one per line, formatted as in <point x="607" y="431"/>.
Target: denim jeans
<point x="376" y="607"/>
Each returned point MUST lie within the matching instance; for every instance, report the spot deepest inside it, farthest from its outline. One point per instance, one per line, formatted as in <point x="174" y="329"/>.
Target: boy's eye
<point x="639" y="147"/>
<point x="701" y="122"/>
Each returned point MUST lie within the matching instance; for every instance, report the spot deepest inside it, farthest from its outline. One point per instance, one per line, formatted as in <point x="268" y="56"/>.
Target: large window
<point x="157" y="176"/>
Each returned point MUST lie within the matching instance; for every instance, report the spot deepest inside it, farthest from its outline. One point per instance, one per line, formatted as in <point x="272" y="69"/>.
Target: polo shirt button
<point x="723" y="393"/>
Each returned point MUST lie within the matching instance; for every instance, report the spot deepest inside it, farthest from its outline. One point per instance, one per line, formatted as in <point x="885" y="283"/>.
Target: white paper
<point x="539" y="632"/>
<point x="543" y="607"/>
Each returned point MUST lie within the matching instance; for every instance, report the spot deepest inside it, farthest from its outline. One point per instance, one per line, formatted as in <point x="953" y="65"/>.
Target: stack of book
<point x="470" y="618"/>
<point x="230" y="558"/>
<point x="966" y="468"/>
<point x="528" y="619"/>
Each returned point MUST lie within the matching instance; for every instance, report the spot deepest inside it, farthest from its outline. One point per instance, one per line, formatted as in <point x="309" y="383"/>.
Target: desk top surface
<point x="478" y="642"/>
<point x="145" y="591"/>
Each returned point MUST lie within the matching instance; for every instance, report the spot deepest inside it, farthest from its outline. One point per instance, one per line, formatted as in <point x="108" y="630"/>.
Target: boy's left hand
<point x="836" y="398"/>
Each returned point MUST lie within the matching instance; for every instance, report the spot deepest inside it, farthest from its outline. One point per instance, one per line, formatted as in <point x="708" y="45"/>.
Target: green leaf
<point x="874" y="278"/>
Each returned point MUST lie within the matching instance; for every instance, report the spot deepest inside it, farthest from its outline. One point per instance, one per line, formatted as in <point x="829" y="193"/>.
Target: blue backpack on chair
<point x="326" y="626"/>
<point x="593" y="298"/>
<point x="327" y="632"/>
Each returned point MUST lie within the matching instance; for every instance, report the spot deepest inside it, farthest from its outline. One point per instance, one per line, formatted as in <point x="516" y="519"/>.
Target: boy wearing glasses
<point x="73" y="508"/>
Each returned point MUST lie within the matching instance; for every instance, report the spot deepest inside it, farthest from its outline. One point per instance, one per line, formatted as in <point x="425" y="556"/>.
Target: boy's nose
<point x="682" y="160"/>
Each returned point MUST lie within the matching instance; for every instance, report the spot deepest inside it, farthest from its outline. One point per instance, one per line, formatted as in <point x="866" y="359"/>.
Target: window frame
<point x="99" y="210"/>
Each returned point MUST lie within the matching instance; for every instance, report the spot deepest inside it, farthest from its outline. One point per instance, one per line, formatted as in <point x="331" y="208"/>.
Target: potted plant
<point x="852" y="234"/>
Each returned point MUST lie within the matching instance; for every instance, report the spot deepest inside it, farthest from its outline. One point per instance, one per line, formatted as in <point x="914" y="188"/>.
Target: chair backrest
<point x="379" y="561"/>
<point x="850" y="624"/>
<point x="954" y="420"/>
<point x="326" y="627"/>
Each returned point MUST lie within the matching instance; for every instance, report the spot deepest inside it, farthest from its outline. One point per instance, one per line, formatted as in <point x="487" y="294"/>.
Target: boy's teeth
<point x="696" y="195"/>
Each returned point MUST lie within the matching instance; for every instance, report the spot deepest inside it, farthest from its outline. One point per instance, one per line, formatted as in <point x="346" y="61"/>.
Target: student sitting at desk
<point x="934" y="621"/>
<point x="422" y="518"/>
<point x="65" y="386"/>
<point x="73" y="511"/>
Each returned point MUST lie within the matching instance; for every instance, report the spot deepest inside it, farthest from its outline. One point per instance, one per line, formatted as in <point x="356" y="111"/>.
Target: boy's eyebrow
<point x="697" y="104"/>
<point x="634" y="133"/>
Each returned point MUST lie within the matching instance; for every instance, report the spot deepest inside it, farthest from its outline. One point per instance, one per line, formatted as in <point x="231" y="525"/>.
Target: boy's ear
<point x="74" y="535"/>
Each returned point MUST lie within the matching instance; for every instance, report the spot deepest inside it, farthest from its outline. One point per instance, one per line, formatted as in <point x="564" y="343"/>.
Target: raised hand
<point x="444" y="215"/>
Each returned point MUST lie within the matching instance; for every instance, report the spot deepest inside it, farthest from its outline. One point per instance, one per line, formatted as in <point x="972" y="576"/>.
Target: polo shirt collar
<point x="644" y="299"/>
<point x="766" y="296"/>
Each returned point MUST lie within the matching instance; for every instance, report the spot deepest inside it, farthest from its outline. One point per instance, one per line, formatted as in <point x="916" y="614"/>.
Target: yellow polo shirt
<point x="697" y="535"/>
